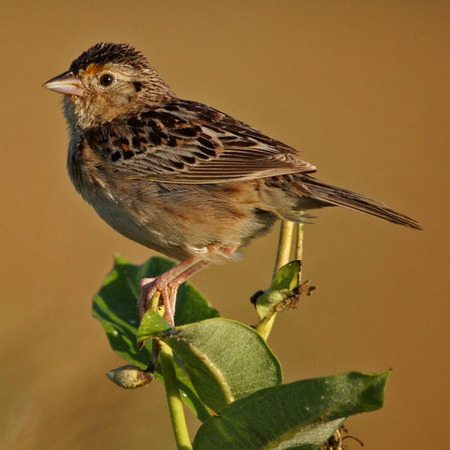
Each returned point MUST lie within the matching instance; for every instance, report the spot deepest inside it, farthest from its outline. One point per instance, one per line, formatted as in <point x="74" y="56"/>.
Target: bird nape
<point x="178" y="176"/>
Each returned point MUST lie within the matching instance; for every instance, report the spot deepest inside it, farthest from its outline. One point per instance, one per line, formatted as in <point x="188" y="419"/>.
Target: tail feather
<point x="333" y="195"/>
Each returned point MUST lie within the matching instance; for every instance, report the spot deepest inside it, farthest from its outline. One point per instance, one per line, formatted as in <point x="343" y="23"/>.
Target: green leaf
<point x="187" y="391"/>
<point x="300" y="415"/>
<point x="266" y="303"/>
<point x="115" y="307"/>
<point x="153" y="325"/>
<point x="225" y="360"/>
<point x="282" y="287"/>
<point x="287" y="276"/>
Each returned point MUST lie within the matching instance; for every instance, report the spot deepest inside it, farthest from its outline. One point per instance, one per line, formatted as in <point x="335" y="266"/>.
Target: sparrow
<point x="178" y="176"/>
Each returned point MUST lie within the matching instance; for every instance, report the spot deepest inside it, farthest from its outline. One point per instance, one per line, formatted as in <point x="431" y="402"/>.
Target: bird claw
<point x="151" y="290"/>
<point x="166" y="286"/>
<point x="146" y="281"/>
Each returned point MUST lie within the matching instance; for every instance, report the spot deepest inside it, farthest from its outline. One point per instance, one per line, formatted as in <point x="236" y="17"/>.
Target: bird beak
<point x="66" y="83"/>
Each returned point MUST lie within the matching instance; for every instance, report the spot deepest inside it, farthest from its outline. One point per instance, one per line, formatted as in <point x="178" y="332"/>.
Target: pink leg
<point x="180" y="279"/>
<point x="167" y="284"/>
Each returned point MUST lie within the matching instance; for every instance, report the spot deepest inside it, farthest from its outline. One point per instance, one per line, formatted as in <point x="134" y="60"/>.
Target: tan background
<point x="361" y="87"/>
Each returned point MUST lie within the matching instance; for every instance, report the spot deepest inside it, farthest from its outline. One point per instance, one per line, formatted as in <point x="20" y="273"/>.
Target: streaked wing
<point x="190" y="143"/>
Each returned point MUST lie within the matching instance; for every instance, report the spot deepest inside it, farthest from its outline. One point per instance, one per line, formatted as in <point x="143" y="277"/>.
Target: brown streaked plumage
<point x="178" y="176"/>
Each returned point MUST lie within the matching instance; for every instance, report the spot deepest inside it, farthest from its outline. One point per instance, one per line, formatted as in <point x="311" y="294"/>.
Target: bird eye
<point x="106" y="79"/>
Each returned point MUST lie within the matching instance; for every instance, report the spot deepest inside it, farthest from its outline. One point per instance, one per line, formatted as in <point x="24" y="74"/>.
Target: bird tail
<point x="332" y="195"/>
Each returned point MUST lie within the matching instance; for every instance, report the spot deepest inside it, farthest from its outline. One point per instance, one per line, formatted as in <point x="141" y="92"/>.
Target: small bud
<point x="130" y="377"/>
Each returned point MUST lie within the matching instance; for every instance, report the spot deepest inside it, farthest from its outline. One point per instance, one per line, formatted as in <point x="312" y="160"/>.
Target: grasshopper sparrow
<point x="179" y="176"/>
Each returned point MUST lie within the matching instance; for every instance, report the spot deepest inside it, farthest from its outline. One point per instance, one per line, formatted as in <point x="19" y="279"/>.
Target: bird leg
<point x="177" y="282"/>
<point x="167" y="285"/>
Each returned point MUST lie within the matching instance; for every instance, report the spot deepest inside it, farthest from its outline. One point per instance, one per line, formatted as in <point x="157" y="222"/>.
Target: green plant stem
<point x="299" y="245"/>
<point x="264" y="327"/>
<point x="299" y="249"/>
<point x="173" y="399"/>
<point x="284" y="245"/>
<point x="288" y="232"/>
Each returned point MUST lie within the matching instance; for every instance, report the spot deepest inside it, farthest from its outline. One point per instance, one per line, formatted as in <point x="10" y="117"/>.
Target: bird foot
<point x="166" y="285"/>
<point x="150" y="287"/>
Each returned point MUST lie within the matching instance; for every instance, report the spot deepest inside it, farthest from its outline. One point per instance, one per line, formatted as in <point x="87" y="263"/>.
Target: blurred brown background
<point x="361" y="87"/>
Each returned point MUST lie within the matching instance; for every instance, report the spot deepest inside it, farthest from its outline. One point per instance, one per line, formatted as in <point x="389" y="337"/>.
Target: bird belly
<point x="182" y="221"/>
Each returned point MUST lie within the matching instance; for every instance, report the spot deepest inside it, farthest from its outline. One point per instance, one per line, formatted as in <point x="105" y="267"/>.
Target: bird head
<point x="106" y="82"/>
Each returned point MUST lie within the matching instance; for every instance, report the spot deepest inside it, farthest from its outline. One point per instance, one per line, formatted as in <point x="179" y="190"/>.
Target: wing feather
<point x="190" y="143"/>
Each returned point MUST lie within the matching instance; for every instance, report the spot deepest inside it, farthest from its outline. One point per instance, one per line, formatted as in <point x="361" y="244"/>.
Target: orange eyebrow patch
<point x="93" y="68"/>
